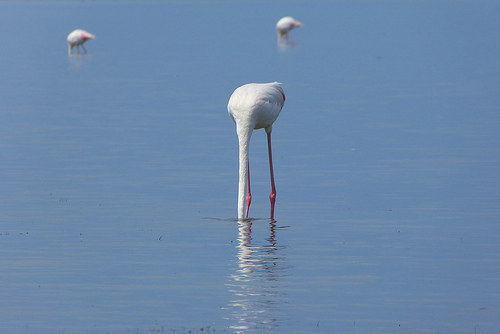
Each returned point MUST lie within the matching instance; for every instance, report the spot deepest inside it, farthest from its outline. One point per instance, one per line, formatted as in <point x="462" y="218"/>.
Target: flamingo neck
<point x="244" y="141"/>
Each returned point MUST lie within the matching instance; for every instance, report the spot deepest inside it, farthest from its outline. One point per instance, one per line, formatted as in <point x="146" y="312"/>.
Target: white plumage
<point x="77" y="38"/>
<point x="254" y="106"/>
<point x="283" y="28"/>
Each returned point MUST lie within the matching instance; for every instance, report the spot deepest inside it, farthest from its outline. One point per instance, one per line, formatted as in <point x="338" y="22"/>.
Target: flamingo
<point x="76" y="38"/>
<point x="254" y="106"/>
<point x="284" y="26"/>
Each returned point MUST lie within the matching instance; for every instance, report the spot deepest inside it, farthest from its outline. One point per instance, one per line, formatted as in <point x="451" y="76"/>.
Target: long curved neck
<point x="244" y="141"/>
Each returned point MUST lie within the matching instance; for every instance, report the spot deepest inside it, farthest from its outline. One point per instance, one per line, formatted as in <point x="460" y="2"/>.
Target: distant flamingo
<point x="283" y="28"/>
<point x="254" y="106"/>
<point x="76" y="38"/>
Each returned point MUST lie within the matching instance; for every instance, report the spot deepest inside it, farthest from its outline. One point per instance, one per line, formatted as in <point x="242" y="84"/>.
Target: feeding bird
<point x="254" y="106"/>
<point x="283" y="28"/>
<point x="77" y="38"/>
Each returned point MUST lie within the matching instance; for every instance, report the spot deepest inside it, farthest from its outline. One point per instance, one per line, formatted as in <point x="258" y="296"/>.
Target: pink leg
<point x="85" y="50"/>
<point x="77" y="50"/>
<point x="272" y="197"/>
<point x="249" y="195"/>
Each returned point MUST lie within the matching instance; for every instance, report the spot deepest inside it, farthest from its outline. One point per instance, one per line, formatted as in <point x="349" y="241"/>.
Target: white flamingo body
<point x="77" y="38"/>
<point x="254" y="106"/>
<point x="283" y="28"/>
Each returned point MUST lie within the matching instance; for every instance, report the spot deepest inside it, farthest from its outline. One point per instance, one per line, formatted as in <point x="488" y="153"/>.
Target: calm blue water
<point x="118" y="169"/>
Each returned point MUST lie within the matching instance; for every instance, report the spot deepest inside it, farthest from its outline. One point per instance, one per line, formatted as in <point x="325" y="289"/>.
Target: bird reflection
<point x="256" y="281"/>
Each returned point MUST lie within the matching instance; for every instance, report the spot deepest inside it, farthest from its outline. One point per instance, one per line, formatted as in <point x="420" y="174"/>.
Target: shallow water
<point x="119" y="169"/>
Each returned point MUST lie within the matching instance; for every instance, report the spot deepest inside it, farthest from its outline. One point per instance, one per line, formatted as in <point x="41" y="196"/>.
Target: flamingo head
<point x="86" y="35"/>
<point x="297" y="24"/>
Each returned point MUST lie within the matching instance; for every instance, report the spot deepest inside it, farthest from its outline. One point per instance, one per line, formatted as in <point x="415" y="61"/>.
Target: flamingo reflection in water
<point x="258" y="298"/>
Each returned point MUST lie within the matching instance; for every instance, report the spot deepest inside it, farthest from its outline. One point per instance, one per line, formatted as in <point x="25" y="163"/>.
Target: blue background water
<point x="118" y="169"/>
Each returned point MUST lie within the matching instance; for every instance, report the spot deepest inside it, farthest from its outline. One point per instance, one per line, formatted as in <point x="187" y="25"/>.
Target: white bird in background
<point x="254" y="106"/>
<point x="283" y="28"/>
<point x="76" y="38"/>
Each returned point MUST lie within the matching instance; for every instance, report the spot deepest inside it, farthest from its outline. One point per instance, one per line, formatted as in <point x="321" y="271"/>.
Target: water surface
<point x="118" y="169"/>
